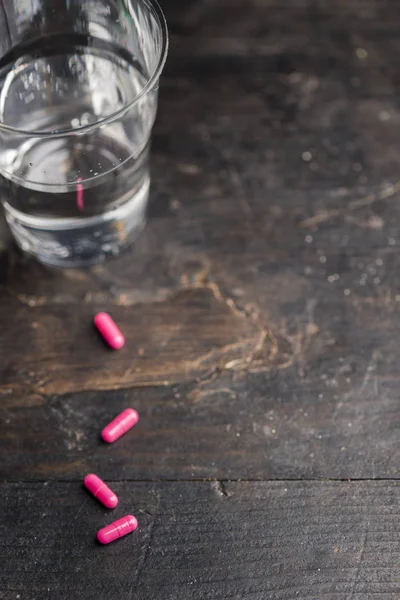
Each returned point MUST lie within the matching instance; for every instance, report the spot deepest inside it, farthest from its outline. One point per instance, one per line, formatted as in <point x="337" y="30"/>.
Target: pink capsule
<point x="100" y="490"/>
<point x="117" y="529"/>
<point x="120" y="425"/>
<point x="109" y="330"/>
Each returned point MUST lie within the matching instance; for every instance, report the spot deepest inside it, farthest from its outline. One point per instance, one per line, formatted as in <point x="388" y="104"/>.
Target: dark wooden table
<point x="262" y="312"/>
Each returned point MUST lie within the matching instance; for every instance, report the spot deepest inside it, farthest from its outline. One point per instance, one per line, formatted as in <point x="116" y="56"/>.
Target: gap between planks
<point x="211" y="480"/>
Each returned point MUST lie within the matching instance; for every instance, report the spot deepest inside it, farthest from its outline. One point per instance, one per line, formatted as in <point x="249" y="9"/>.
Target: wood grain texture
<point x="262" y="311"/>
<point x="175" y="340"/>
<point x="214" y="541"/>
<point x="233" y="426"/>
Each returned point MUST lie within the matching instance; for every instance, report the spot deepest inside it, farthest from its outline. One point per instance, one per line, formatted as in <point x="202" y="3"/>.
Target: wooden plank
<point x="55" y="349"/>
<point x="334" y="422"/>
<point x="216" y="541"/>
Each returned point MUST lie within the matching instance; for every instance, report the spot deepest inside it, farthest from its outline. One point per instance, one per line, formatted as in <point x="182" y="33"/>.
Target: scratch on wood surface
<point x="364" y="542"/>
<point x="149" y="536"/>
<point x="387" y="193"/>
<point x="369" y="373"/>
<point x="300" y="340"/>
<point x="78" y="512"/>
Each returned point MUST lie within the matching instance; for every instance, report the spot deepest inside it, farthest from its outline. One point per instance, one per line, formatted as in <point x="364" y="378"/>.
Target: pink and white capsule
<point x="120" y="425"/>
<point x="117" y="529"/>
<point x="100" y="490"/>
<point x="109" y="330"/>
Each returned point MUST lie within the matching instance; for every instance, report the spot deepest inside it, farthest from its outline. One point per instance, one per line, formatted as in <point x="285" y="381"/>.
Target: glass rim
<point x="153" y="6"/>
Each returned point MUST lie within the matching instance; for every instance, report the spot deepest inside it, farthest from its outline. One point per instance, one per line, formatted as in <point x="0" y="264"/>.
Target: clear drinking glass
<point x="78" y="99"/>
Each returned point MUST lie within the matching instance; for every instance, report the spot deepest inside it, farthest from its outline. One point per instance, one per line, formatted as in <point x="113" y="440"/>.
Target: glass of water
<point x="78" y="99"/>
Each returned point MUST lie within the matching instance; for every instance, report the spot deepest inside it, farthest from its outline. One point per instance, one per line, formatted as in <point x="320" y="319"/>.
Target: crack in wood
<point x="206" y="480"/>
